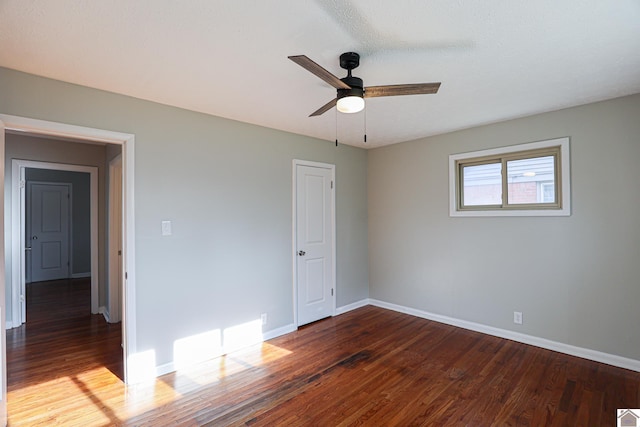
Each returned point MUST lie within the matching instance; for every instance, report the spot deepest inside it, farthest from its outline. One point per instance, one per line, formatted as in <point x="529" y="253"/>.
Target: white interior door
<point x="49" y="230"/>
<point x="314" y="243"/>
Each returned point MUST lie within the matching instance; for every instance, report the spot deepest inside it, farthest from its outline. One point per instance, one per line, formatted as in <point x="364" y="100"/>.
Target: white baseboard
<point x="585" y="353"/>
<point x="105" y="313"/>
<point x="167" y="368"/>
<point x="9" y="325"/>
<point x="274" y="333"/>
<point x="352" y="306"/>
<point x="80" y="275"/>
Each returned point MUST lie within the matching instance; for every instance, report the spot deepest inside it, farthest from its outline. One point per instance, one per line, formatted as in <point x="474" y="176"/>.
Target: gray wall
<point x="26" y="147"/>
<point x="80" y="212"/>
<point x="226" y="186"/>
<point x="576" y="279"/>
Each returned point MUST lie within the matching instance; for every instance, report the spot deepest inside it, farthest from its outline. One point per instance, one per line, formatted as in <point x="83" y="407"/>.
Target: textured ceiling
<point x="496" y="59"/>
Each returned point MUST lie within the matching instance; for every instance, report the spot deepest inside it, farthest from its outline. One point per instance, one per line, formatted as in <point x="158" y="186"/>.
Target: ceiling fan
<point x="351" y="91"/>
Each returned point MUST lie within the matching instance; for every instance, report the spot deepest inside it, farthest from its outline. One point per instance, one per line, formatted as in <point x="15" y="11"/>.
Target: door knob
<point x="302" y="253"/>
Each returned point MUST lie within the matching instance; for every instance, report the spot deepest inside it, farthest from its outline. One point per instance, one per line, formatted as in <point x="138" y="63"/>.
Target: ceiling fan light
<point x="350" y="104"/>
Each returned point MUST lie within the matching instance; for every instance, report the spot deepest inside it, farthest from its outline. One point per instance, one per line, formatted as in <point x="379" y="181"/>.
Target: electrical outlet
<point x="263" y="317"/>
<point x="517" y="317"/>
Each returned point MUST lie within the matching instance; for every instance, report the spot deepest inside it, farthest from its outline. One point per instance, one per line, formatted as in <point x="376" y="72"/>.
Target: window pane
<point x="482" y="185"/>
<point x="531" y="180"/>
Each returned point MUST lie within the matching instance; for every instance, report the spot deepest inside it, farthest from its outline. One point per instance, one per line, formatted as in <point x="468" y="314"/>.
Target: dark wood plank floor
<point x="368" y="367"/>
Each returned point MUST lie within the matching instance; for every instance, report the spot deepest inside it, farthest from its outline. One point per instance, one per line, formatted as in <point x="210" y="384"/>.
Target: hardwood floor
<point x="59" y="347"/>
<point x="367" y="367"/>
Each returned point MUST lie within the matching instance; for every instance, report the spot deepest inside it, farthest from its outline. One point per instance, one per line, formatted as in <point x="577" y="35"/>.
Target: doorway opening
<point x="40" y="219"/>
<point x="80" y="135"/>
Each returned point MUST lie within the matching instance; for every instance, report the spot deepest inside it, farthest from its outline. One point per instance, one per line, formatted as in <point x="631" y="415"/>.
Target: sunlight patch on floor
<point x="77" y="396"/>
<point x="144" y="396"/>
<point x="103" y="399"/>
<point x="206" y="358"/>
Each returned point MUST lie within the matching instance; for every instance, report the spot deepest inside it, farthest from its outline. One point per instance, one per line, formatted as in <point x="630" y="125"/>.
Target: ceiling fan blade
<point x="408" y="89"/>
<point x="309" y="65"/>
<point x="326" y="107"/>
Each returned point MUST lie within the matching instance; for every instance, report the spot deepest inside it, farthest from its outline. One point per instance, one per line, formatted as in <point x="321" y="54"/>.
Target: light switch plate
<point x="166" y="228"/>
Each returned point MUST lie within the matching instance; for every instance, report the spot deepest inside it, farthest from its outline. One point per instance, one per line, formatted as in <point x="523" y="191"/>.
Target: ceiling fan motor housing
<point x="357" y="87"/>
<point x="349" y="60"/>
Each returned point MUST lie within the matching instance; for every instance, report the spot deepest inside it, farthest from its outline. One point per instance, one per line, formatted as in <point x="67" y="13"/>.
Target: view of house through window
<point x="510" y="179"/>
<point x="482" y="184"/>
<point x="531" y="180"/>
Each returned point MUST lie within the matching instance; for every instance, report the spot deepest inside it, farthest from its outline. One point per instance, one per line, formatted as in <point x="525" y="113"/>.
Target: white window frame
<point x="542" y="186"/>
<point x="563" y="172"/>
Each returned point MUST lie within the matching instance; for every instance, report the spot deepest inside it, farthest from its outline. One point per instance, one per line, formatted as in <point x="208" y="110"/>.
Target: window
<point x="483" y="183"/>
<point x="528" y="179"/>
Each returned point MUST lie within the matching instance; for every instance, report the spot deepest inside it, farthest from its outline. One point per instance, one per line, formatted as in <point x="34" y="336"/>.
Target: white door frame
<point x="18" y="222"/>
<point x="83" y="135"/>
<point x="294" y="251"/>
<point x="3" y="320"/>
<point x="114" y="256"/>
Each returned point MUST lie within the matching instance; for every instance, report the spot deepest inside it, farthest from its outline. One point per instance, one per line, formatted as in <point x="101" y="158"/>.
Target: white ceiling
<point x="496" y="59"/>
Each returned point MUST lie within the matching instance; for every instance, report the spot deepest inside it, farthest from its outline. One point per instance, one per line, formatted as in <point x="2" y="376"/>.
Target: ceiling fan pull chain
<point x="336" y="128"/>
<point x="365" y="125"/>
